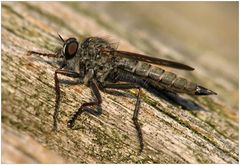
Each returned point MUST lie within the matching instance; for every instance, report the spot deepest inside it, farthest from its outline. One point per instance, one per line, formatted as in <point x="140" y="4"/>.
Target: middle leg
<point x="85" y="106"/>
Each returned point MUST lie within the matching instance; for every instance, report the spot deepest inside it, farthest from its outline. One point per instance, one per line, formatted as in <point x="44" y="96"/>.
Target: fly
<point x="100" y="66"/>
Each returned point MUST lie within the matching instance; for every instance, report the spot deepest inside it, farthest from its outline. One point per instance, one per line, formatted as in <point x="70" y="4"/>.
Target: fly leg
<point x="57" y="91"/>
<point x="136" y="110"/>
<point x="56" y="79"/>
<point x="85" y="106"/>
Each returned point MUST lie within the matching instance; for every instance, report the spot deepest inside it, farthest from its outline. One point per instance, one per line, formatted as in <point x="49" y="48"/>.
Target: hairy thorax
<point x="96" y="55"/>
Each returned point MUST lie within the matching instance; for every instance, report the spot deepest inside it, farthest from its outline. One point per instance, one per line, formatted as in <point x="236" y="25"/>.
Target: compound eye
<point x="70" y="48"/>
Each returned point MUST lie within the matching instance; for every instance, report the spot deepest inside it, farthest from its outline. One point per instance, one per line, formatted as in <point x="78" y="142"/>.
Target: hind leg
<point x="136" y="110"/>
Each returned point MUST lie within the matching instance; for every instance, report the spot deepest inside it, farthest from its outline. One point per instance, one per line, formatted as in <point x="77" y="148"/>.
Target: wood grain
<point x="171" y="134"/>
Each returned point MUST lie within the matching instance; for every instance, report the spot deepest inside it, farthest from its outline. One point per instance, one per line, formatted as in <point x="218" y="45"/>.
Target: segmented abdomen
<point x="166" y="80"/>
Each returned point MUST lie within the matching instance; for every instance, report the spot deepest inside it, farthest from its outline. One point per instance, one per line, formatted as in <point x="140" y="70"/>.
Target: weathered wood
<point x="171" y="134"/>
<point x="21" y="148"/>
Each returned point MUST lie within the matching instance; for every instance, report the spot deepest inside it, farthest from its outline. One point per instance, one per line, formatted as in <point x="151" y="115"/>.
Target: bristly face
<point x="70" y="48"/>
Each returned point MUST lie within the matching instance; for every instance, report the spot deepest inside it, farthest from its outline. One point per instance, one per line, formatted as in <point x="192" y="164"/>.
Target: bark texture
<point x="203" y="130"/>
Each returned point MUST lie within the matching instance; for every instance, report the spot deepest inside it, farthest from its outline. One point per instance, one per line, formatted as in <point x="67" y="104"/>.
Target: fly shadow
<point x="168" y="96"/>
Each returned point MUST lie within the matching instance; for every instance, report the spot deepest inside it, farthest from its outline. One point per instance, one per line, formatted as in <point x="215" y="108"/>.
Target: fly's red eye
<point x="70" y="48"/>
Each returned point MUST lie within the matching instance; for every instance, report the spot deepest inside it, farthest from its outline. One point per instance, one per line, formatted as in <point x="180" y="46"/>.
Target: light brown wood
<point x="171" y="134"/>
<point x="19" y="147"/>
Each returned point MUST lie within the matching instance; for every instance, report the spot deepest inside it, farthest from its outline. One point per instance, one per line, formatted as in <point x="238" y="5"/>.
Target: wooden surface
<point x="171" y="134"/>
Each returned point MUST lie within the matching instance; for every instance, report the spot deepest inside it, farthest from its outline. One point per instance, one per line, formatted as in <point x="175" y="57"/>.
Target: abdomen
<point x="163" y="79"/>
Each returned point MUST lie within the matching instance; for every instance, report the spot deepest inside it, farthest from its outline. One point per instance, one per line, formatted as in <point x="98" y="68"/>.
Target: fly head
<point x="70" y="48"/>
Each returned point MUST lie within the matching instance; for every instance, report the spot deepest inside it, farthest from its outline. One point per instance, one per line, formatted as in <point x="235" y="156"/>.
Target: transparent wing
<point x="152" y="60"/>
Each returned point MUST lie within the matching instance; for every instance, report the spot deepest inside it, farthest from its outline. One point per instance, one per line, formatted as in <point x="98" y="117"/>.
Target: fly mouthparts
<point x="29" y="52"/>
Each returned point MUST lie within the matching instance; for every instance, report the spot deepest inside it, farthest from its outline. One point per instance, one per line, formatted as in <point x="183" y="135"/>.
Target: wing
<point x="153" y="60"/>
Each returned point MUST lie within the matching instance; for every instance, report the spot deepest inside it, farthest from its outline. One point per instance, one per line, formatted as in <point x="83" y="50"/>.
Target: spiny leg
<point x="57" y="91"/>
<point x="136" y="110"/>
<point x="135" y="120"/>
<point x="57" y="88"/>
<point x="68" y="73"/>
<point x="84" y="107"/>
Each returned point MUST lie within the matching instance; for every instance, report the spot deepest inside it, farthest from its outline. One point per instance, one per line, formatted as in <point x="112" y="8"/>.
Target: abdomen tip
<point x="204" y="91"/>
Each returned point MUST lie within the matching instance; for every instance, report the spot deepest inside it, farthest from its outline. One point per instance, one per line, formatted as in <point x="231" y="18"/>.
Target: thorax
<point x="92" y="57"/>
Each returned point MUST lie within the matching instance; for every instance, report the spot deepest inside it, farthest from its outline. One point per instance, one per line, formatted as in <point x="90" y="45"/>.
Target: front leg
<point x="61" y="71"/>
<point x="57" y="91"/>
<point x="136" y="110"/>
<point x="85" y="106"/>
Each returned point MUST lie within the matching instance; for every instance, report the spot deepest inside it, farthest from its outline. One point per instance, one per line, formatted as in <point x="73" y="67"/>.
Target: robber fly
<point x="100" y="66"/>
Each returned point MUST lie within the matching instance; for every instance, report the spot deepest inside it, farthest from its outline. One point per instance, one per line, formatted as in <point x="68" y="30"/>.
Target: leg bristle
<point x="204" y="91"/>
